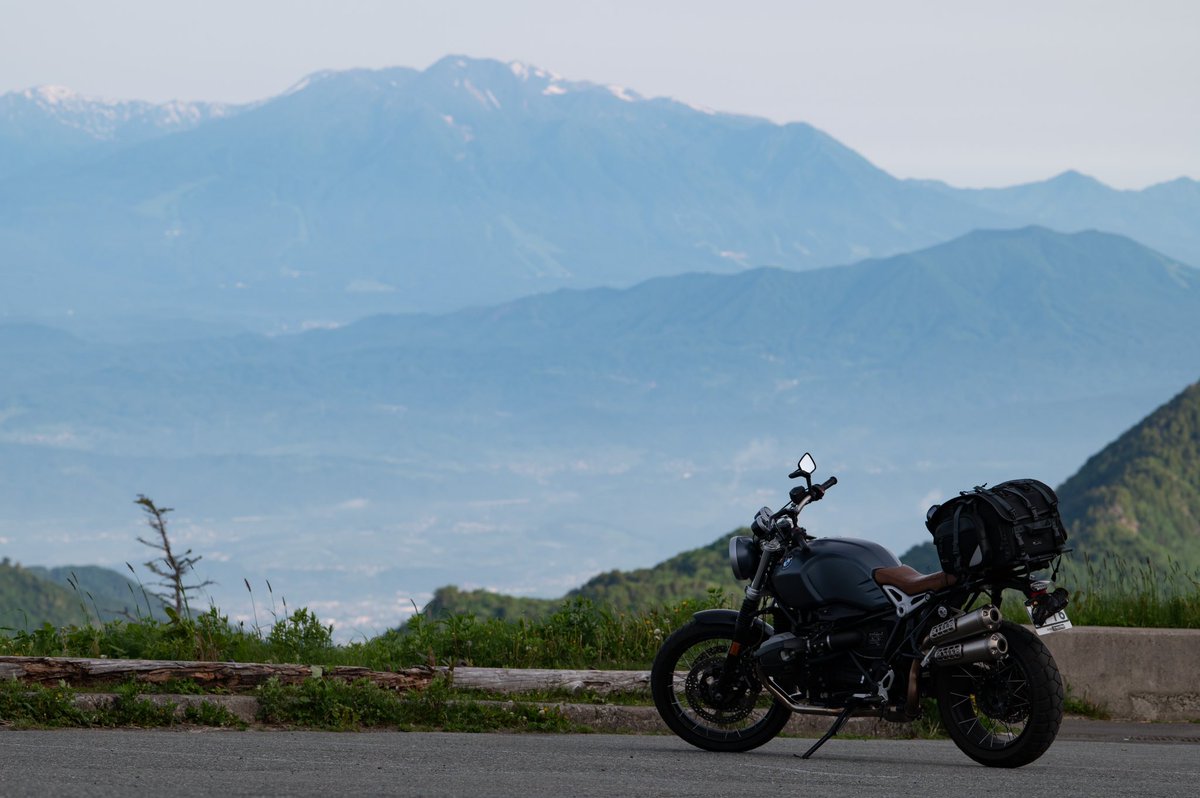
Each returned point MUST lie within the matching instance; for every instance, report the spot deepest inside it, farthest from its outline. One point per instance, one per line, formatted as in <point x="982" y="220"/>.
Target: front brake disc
<point x="704" y="677"/>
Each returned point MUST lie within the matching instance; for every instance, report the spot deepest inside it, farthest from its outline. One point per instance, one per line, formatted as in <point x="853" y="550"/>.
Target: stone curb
<point x="243" y="707"/>
<point x="625" y="719"/>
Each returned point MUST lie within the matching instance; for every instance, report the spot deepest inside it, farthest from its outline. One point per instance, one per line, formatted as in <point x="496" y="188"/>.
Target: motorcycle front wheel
<point x="733" y="714"/>
<point x="1003" y="714"/>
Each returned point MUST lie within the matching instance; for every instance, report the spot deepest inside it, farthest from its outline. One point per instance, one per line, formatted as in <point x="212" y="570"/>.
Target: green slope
<point x="1138" y="498"/>
<point x="27" y="600"/>
<point x="32" y="596"/>
<point x="689" y="575"/>
<point x="108" y="592"/>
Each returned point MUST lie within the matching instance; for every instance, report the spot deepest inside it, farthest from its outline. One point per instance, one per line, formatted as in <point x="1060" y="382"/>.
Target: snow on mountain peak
<point x="485" y="96"/>
<point x="50" y="95"/>
<point x="528" y="71"/>
<point x="622" y="93"/>
<point x="106" y="119"/>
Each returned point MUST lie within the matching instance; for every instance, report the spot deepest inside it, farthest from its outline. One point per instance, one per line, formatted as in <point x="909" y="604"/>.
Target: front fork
<point x="745" y="619"/>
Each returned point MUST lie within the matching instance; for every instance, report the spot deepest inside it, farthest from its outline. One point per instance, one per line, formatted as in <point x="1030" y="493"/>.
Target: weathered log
<point x="229" y="675"/>
<point x="527" y="680"/>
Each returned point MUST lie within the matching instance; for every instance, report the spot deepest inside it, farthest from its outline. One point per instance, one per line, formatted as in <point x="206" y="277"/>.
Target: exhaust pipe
<point x="983" y="649"/>
<point x="980" y="621"/>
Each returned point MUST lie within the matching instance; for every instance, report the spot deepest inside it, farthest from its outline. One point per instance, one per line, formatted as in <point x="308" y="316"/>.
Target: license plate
<point x="1057" y="622"/>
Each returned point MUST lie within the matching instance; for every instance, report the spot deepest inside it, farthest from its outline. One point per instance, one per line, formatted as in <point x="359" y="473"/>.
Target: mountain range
<point x="530" y="445"/>
<point x="483" y="325"/>
<point x="469" y="183"/>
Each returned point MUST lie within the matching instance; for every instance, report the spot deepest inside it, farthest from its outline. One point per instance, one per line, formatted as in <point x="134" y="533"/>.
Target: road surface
<point x="99" y="763"/>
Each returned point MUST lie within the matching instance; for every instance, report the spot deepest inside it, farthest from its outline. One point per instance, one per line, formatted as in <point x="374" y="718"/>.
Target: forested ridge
<point x="688" y="575"/>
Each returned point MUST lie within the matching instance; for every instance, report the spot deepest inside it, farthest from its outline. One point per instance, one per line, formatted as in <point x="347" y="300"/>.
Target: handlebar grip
<point x="816" y="492"/>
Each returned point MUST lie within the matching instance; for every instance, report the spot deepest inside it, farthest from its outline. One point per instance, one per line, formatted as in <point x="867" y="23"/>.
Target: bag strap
<point x="997" y="501"/>
<point x="954" y="549"/>
<point x="981" y="539"/>
<point x="1020" y="494"/>
<point x="1046" y="493"/>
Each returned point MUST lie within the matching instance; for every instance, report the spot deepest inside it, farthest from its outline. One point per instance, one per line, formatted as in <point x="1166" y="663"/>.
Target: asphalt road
<point x="180" y="763"/>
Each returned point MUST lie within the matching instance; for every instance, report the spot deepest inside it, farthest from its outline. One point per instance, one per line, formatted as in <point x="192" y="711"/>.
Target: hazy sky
<point x="969" y="92"/>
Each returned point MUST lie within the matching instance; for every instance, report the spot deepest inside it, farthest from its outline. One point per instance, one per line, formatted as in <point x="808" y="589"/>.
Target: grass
<point x="1084" y="707"/>
<point x="577" y="635"/>
<point x="1115" y="592"/>
<point x="1110" y="591"/>
<point x="314" y="704"/>
<point x="37" y="706"/>
<point x="339" y="706"/>
<point x="621" y="698"/>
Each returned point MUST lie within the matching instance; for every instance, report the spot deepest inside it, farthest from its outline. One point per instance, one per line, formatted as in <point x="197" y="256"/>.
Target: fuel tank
<point x="833" y="571"/>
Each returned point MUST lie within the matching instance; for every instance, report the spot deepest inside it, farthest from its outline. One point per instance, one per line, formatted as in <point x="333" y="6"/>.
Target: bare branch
<point x="170" y="567"/>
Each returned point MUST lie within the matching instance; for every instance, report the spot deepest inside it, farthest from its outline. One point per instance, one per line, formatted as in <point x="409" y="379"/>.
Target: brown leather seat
<point x="911" y="581"/>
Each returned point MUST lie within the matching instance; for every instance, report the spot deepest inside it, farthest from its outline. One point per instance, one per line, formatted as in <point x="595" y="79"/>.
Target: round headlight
<point x="743" y="556"/>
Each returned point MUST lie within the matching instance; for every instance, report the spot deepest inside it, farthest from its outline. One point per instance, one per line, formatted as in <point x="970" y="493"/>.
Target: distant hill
<point x="689" y="575"/>
<point x="112" y="594"/>
<point x="28" y="600"/>
<point x="32" y="596"/>
<point x="1137" y="498"/>
<point x="1140" y="496"/>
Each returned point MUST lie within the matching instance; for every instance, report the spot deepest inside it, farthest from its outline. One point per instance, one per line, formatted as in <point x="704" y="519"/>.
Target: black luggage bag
<point x="1014" y="525"/>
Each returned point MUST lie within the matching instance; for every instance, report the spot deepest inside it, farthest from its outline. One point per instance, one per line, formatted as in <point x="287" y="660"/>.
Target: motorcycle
<point x="839" y="627"/>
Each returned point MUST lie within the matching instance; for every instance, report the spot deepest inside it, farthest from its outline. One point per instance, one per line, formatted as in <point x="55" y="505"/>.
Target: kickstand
<point x="838" y="723"/>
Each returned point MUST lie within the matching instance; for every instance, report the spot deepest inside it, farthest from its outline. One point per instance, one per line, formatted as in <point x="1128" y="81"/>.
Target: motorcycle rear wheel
<point x="1004" y="714"/>
<point x="684" y="683"/>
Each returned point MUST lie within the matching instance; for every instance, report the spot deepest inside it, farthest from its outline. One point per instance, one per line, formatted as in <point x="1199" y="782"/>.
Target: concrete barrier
<point x="1136" y="674"/>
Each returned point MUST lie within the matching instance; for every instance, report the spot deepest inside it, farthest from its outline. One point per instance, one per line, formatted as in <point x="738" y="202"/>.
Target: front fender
<point x="729" y="618"/>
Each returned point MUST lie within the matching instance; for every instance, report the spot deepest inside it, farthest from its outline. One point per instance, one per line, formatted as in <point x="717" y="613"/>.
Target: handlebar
<point x="814" y="493"/>
<point x="819" y="490"/>
<point x="766" y="524"/>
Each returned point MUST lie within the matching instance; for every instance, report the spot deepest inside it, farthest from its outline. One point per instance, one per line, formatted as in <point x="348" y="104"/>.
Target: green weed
<point x="38" y="706"/>
<point x="1085" y="707"/>
<point x="340" y="706"/>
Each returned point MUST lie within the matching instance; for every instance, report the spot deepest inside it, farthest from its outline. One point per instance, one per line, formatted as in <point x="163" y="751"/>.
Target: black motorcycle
<point x="839" y="627"/>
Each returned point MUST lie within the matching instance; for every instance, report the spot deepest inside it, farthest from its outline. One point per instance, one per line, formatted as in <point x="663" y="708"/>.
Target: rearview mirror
<point x="807" y="465"/>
